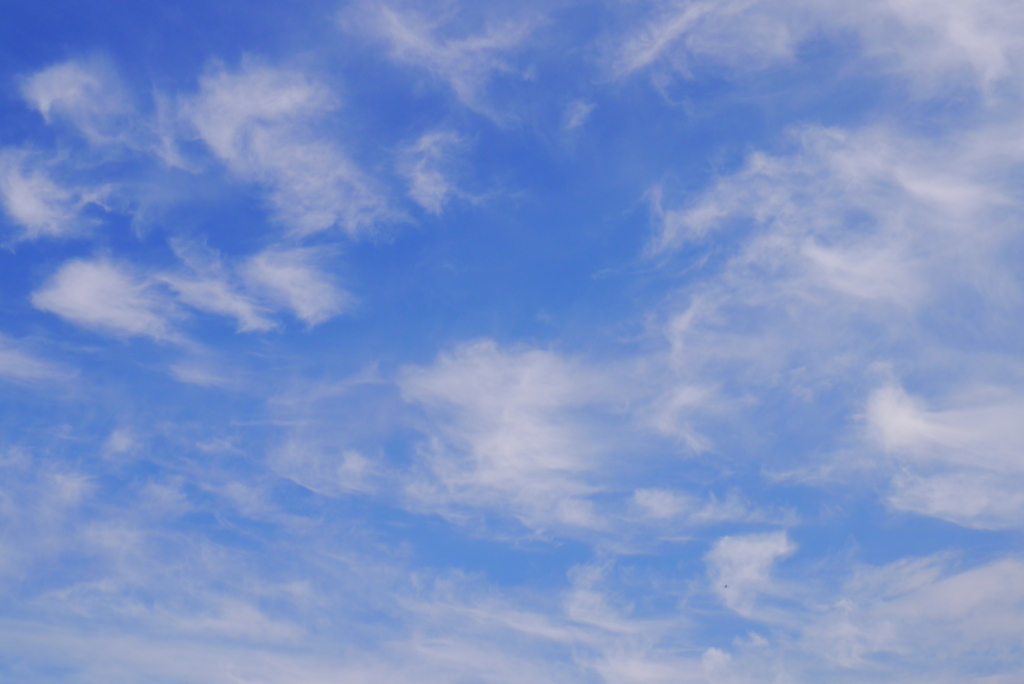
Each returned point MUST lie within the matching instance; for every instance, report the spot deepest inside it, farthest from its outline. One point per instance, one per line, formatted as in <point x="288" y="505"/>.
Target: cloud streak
<point x="931" y="43"/>
<point x="466" y="63"/>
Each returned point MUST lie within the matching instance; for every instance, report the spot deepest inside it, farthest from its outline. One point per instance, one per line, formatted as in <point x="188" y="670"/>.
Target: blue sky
<point x="605" y="342"/>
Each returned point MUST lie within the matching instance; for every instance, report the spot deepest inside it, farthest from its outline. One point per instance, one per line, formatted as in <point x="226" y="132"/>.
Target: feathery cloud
<point x="106" y="296"/>
<point x="261" y="122"/>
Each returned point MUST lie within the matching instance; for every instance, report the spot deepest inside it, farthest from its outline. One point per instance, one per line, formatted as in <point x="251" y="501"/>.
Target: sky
<point x="576" y="341"/>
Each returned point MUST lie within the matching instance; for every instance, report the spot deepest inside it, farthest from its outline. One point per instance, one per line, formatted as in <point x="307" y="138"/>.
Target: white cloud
<point x="675" y="508"/>
<point x="663" y="503"/>
<point x="34" y="200"/>
<point x="208" y="613"/>
<point x="728" y="30"/>
<point x="274" y="279"/>
<point x="932" y="42"/>
<point x="219" y="297"/>
<point x="845" y="256"/>
<point x="425" y="163"/>
<point x="86" y="93"/>
<point x="672" y="410"/>
<point x="576" y="115"/>
<point x="503" y="434"/>
<point x="324" y="468"/>
<point x="924" y="622"/>
<point x="904" y="188"/>
<point x="101" y="655"/>
<point x="17" y="364"/>
<point x="551" y="441"/>
<point x="262" y="123"/>
<point x="969" y="497"/>
<point x="113" y="298"/>
<point x="466" y="63"/>
<point x="200" y="611"/>
<point x="983" y="430"/>
<point x="121" y="441"/>
<point x="739" y="567"/>
<point x="201" y="374"/>
<point x="916" y="611"/>
<point x="294" y="278"/>
<point x="962" y="463"/>
<point x="974" y="607"/>
<point x="108" y="297"/>
<point x="267" y="125"/>
<point x="210" y="287"/>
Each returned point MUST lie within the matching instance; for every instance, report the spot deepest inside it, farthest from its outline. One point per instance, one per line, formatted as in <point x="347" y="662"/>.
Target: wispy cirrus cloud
<point x="960" y="462"/>
<point x="740" y="567"/>
<point x="465" y="61"/>
<point x="118" y="299"/>
<point x="295" y="279"/>
<point x="505" y="436"/>
<point x="109" y="297"/>
<point x="88" y="95"/>
<point x="933" y="43"/>
<point x="265" y="124"/>
<point x="16" y="363"/>
<point x="846" y="251"/>
<point x="42" y="206"/>
<point x="208" y="285"/>
<point x="260" y="121"/>
<point x="426" y="163"/>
